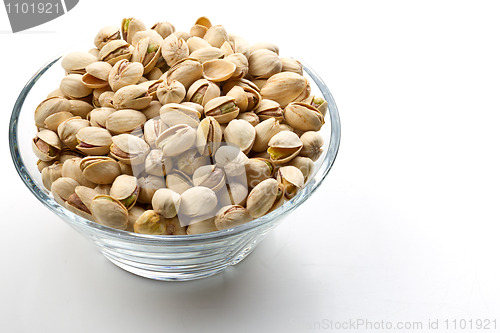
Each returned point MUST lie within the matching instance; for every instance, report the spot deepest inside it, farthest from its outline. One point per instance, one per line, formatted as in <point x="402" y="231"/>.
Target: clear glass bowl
<point x="160" y="257"/>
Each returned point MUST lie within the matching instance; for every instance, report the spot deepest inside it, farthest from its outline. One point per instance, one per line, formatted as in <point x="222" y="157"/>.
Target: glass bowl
<point x="161" y="257"/>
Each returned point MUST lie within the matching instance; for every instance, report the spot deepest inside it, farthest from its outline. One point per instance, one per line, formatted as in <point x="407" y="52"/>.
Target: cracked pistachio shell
<point x="250" y="117"/>
<point x="235" y="193"/>
<point x="195" y="106"/>
<point x="264" y="131"/>
<point x="154" y="36"/>
<point x="46" y="145"/>
<point x="174" y="227"/>
<point x="75" y="62"/>
<point x="96" y="75"/>
<point x="105" y="35"/>
<point x="303" y="117"/>
<point x="198" y="30"/>
<point x="99" y="169"/>
<point x="152" y="129"/>
<point x="157" y="164"/>
<point x="291" y="65"/>
<point x="93" y="140"/>
<point x="149" y="184"/>
<point x="125" y="73"/>
<point x="176" y="140"/>
<point x="216" y="35"/>
<point x="178" y="181"/>
<point x="218" y="70"/>
<point x="231" y="216"/>
<point x="265" y="46"/>
<point x="73" y="87"/>
<point x="80" y="108"/>
<point x="147" y="52"/>
<point x="109" y="212"/>
<point x="152" y="110"/>
<point x="231" y="159"/>
<point x="291" y="178"/>
<point x="49" y="107"/>
<point x="196" y="43"/>
<point x="202" y="91"/>
<point x="174" y="49"/>
<point x="132" y="97"/>
<point x="318" y="102"/>
<point x="125" y="121"/>
<point x="269" y="109"/>
<point x="50" y="174"/>
<point x="304" y="164"/>
<point x="165" y="29"/>
<point x="245" y="98"/>
<point x="263" y="64"/>
<point x="166" y="202"/>
<point x="150" y="223"/>
<point x="201" y="227"/>
<point x="71" y="168"/>
<point x="263" y="197"/>
<point x="152" y="87"/>
<point x="258" y="170"/>
<point x="197" y="201"/>
<point x="62" y="188"/>
<point x="206" y="54"/>
<point x="80" y="201"/>
<point x="241" y="134"/>
<point x="67" y="130"/>
<point x="115" y="51"/>
<point x="244" y="83"/>
<point x="186" y="71"/>
<point x="191" y="160"/>
<point x="129" y="149"/>
<point x="209" y="176"/>
<point x="97" y="117"/>
<point x="105" y="99"/>
<point x="284" y="146"/>
<point x="130" y="26"/>
<point x="177" y="114"/>
<point x="171" y="93"/>
<point x="125" y="188"/>
<point x="241" y="63"/>
<point x="223" y="109"/>
<point x="133" y="214"/>
<point x="208" y="136"/>
<point x="285" y="88"/>
<point x="312" y="141"/>
<point x="240" y="45"/>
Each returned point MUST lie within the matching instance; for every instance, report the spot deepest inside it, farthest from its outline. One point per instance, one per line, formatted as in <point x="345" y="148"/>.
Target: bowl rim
<point x="66" y="215"/>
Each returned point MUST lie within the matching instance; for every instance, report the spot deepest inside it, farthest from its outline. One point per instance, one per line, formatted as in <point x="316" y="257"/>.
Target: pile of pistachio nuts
<point x="165" y="132"/>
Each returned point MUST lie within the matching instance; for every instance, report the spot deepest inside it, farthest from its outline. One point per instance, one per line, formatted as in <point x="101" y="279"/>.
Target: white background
<point x="404" y="228"/>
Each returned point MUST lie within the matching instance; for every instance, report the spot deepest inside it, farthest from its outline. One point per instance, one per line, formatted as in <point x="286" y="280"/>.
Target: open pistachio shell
<point x="176" y="140"/>
<point x="129" y="149"/>
<point x="62" y="188"/>
<point x="269" y="109"/>
<point x="209" y="176"/>
<point x="291" y="178"/>
<point x="216" y="35"/>
<point x="191" y="160"/>
<point x="46" y="145"/>
<point x="67" y="154"/>
<point x="49" y="107"/>
<point x="262" y="197"/>
<point x="166" y="202"/>
<point x="202" y="91"/>
<point x="67" y="130"/>
<point x="125" y="73"/>
<point x="149" y="184"/>
<point x="152" y="129"/>
<point x="258" y="170"/>
<point x="130" y="26"/>
<point x="109" y="212"/>
<point x="241" y="63"/>
<point x="240" y="133"/>
<point x="318" y="102"/>
<point x="264" y="131"/>
<point x="105" y="35"/>
<point x="304" y="164"/>
<point x="75" y="62"/>
<point x="93" y="140"/>
<point x="263" y="64"/>
<point x="186" y="71"/>
<point x="157" y="163"/>
<point x="291" y="65"/>
<point x="115" y="51"/>
<point x="197" y="201"/>
<point x="132" y="97"/>
<point x="80" y="201"/>
<point x="100" y="169"/>
<point x="178" y="181"/>
<point x="50" y="174"/>
<point x="151" y="223"/>
<point x="177" y="114"/>
<point x="174" y="49"/>
<point x="218" y="70"/>
<point x="303" y="117"/>
<point x="53" y="121"/>
<point x="98" y="116"/>
<point x="164" y="29"/>
<point x="231" y="159"/>
<point x="284" y="146"/>
<point x="249" y="117"/>
<point x="235" y="193"/>
<point x="125" y="121"/>
<point x="206" y="54"/>
<point x="231" y="216"/>
<point x="71" y="168"/>
<point x="174" y="227"/>
<point x="246" y="97"/>
<point x="223" y="109"/>
<point x="72" y="86"/>
<point x="285" y="88"/>
<point x="198" y="30"/>
<point x="126" y="189"/>
<point x="196" y="43"/>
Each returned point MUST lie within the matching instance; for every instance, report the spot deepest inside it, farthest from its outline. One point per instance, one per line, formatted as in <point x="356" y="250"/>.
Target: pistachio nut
<point x="231" y="159"/>
<point x="318" y="102"/>
<point x="152" y="110"/>
<point x="202" y="227"/>
<point x="177" y="114"/>
<point x="240" y="133"/>
<point x="93" y="140"/>
<point x="178" y="181"/>
<point x="291" y="178"/>
<point x="285" y="88"/>
<point x="75" y="62"/>
<point x="264" y="131"/>
<point x="303" y="117"/>
<point x="209" y="176"/>
<point x="67" y="130"/>
<point x="208" y="136"/>
<point x="198" y="30"/>
<point x="50" y="174"/>
<point x="125" y="73"/>
<point x="115" y="51"/>
<point x="147" y="52"/>
<point x="304" y="164"/>
<point x="171" y="93"/>
<point x="240" y="45"/>
<point x="99" y="169"/>
<point x="186" y="71"/>
<point x="196" y="106"/>
<point x="71" y="168"/>
<point x="105" y="35"/>
<point x="80" y="201"/>
<point x="125" y="121"/>
<point x="106" y="99"/>
<point x="125" y="188"/>
<point x="154" y="37"/>
<point x="291" y="65"/>
<point x="250" y="116"/>
<point x="241" y="63"/>
<point x="149" y="184"/>
<point x="130" y="26"/>
<point x="246" y="98"/>
<point x="202" y="91"/>
<point x="99" y="116"/>
<point x="46" y="145"/>
<point x="174" y="49"/>
<point x="62" y="188"/>
<point x="164" y="29"/>
<point x="265" y="46"/>
<point x="73" y="87"/>
<point x="196" y="43"/>
<point x="151" y="223"/>
<point x="174" y="227"/>
<point x="223" y="109"/>
<point x="49" y="107"/>
<point x="231" y="216"/>
<point x="152" y="87"/>
<point x="216" y="35"/>
<point x="129" y="149"/>
<point x="197" y="201"/>
<point x="258" y="170"/>
<point x="152" y="129"/>
<point x="284" y="146"/>
<point x="96" y="75"/>
<point x="264" y="197"/>
<point x="133" y="214"/>
<point x="132" y="97"/>
<point x="157" y="164"/>
<point x="206" y="54"/>
<point x="312" y="141"/>
<point x="109" y="212"/>
<point x="269" y="109"/>
<point x="166" y="202"/>
<point x="176" y="140"/>
<point x="218" y="70"/>
<point x="263" y="64"/>
<point x="191" y="160"/>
